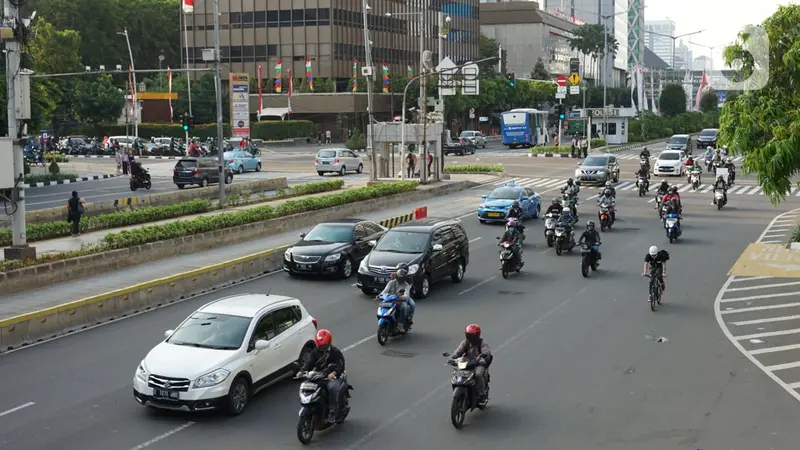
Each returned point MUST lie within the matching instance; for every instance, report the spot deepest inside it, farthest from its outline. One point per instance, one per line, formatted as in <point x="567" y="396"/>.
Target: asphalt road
<point x="576" y="363"/>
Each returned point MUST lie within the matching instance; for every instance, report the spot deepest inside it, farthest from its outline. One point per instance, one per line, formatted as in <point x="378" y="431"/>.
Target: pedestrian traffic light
<point x="511" y="79"/>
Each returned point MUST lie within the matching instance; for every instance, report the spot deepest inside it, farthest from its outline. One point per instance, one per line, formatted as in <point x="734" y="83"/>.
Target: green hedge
<point x="551" y="149"/>
<point x="473" y="168"/>
<point x="266" y="130"/>
<point x="796" y="234"/>
<point x="55" y="157"/>
<point x="598" y="143"/>
<point x="42" y="177"/>
<point x="180" y="228"/>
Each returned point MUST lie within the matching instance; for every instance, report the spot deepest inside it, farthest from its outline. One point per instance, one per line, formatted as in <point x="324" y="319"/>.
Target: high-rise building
<point x="657" y="38"/>
<point x="683" y="57"/>
<point x="703" y="63"/>
<point x="636" y="34"/>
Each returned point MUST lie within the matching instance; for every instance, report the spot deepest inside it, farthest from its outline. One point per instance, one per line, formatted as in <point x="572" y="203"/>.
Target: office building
<point x="683" y="57"/>
<point x="616" y="21"/>
<point x="657" y="38"/>
<point x="703" y="63"/>
<point x="636" y="34"/>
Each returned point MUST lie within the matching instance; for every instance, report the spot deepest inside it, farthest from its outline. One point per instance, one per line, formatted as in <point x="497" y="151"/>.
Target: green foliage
<point x="98" y="100"/>
<point x="41" y="178"/>
<point x="487" y="48"/>
<point x="597" y="143"/>
<point x="649" y="127"/>
<point x="53" y="168"/>
<point x="551" y="149"/>
<point x="474" y="168"/>
<point x="539" y="71"/>
<point x="796" y="234"/>
<point x="266" y="130"/>
<point x="763" y="124"/>
<point x="589" y="40"/>
<point x="709" y="101"/>
<point x="356" y="142"/>
<point x="673" y="100"/>
<point x="55" y="157"/>
<point x="316" y="187"/>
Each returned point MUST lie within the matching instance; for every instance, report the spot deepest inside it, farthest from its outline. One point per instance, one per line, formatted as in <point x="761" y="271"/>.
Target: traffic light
<point x="185" y="122"/>
<point x="561" y="112"/>
<point x="190" y="121"/>
<point x="512" y="80"/>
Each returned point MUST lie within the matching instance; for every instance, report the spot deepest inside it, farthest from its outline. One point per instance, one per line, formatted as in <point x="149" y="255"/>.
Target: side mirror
<point x="484" y="196"/>
<point x="168" y="333"/>
<point x="446" y="355"/>
<point x="524" y="199"/>
<point x="302" y="235"/>
<point x="261" y="345"/>
<point x="437" y="247"/>
<point x="372" y="243"/>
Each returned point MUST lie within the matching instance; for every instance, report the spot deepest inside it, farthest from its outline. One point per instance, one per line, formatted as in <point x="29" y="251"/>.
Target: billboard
<point x="240" y="104"/>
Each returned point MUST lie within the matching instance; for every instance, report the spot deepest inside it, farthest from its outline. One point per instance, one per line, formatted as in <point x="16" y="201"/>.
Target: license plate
<point x="166" y="394"/>
<point x="385" y="305"/>
<point x="326" y="162"/>
<point x="304" y="266"/>
<point x="382" y="280"/>
<point x="494" y="214"/>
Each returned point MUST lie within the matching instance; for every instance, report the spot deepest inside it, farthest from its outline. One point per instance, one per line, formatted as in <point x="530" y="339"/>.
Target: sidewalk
<point x="24" y="302"/>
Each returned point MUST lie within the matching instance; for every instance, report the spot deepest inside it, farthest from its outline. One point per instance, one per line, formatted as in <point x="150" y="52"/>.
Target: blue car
<point x="496" y="205"/>
<point x="239" y="161"/>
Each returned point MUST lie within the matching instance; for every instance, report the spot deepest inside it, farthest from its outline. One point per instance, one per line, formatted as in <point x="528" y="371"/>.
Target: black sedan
<point x="459" y="147"/>
<point x="332" y="248"/>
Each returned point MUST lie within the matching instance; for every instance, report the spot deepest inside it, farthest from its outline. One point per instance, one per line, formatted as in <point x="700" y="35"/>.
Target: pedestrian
<point x="75" y="210"/>
<point x="584" y="146"/>
<point x="125" y="160"/>
<point x="131" y="158"/>
<point x="411" y="164"/>
<point x="328" y="136"/>
<point x="430" y="163"/>
<point x="573" y="146"/>
<point x="118" y="158"/>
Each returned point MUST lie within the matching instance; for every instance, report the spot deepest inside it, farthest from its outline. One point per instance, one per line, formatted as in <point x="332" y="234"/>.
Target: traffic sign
<point x="574" y="65"/>
<point x="561" y="90"/>
<point x="447" y="83"/>
<point x="470" y="84"/>
<point x="561" y="80"/>
<point x="574" y="79"/>
<point x="561" y="95"/>
<point x="574" y="90"/>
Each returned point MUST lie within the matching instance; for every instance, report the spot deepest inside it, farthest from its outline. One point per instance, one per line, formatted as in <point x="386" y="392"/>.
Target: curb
<point x="548" y="155"/>
<point x="70" y="181"/>
<point x="112" y="156"/>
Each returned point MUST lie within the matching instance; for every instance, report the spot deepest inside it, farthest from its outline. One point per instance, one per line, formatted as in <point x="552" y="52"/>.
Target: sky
<point x="721" y="20"/>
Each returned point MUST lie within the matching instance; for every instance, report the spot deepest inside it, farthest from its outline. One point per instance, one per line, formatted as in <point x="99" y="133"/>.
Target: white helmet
<point x="653" y="251"/>
<point x="608" y="183"/>
<point x="710" y="148"/>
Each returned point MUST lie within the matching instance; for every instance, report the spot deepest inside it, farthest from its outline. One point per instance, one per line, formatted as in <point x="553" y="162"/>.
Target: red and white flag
<point x="260" y="92"/>
<point x="169" y="84"/>
<point x="291" y="88"/>
<point x="188" y="6"/>
<point x="700" y="92"/>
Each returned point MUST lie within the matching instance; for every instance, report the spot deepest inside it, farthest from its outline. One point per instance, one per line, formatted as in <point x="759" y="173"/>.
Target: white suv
<point x="224" y="353"/>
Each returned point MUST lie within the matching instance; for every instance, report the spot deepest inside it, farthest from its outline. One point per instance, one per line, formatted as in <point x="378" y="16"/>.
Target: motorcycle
<point x="571" y="202"/>
<point x="662" y="209"/>
<point x="388" y="318"/>
<point x="694" y="179"/>
<point x="588" y="259"/>
<point x="141" y="181"/>
<point x="550" y="220"/>
<point x="641" y="183"/>
<point x="719" y="199"/>
<point x="673" y="226"/>
<point x="604" y="215"/>
<point x="645" y="163"/>
<point x="508" y="262"/>
<point x="465" y="395"/>
<point x="565" y="240"/>
<point x="708" y="163"/>
<point x="33" y="157"/>
<point x="314" y="400"/>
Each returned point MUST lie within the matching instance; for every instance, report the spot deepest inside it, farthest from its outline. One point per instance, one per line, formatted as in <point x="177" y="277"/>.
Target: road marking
<point x="775" y="235"/>
<point x="466" y="215"/>
<point x="764" y="286"/>
<point x="782" y="348"/>
<point x="13" y="410"/>
<point x="761" y="308"/>
<point x="757" y="297"/>
<point x="737" y="279"/>
<point x="769" y="320"/>
<point x="768" y="334"/>
<point x="357" y="343"/>
<point x="476" y="239"/>
<point x="477" y="285"/>
<point x="776" y="241"/>
<point x="785" y="366"/>
<point x="161" y="437"/>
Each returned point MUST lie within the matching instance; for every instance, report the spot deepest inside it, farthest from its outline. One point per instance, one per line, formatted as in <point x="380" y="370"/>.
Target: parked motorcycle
<point x="604" y="215"/>
<point x="565" y="239"/>
<point x="388" y="317"/>
<point x="719" y="199"/>
<point x="550" y="220"/>
<point x="465" y="395"/>
<point x="508" y="262"/>
<point x="588" y="260"/>
<point x="672" y="225"/>
<point x="314" y="401"/>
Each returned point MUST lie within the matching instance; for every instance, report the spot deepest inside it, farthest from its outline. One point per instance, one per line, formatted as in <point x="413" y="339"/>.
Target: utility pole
<point x="559" y="122"/>
<point x="373" y="176"/>
<point x="218" y="83"/>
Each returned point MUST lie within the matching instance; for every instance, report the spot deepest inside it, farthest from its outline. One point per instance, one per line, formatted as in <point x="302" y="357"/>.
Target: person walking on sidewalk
<point x="118" y="157"/>
<point x="125" y="161"/>
<point x="411" y="164"/>
<point x="75" y="211"/>
<point x="575" y="143"/>
<point x="584" y="146"/>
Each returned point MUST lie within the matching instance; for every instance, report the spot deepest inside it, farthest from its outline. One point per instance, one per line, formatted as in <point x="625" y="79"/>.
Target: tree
<point x="592" y="40"/>
<point x="204" y="102"/>
<point x="673" y="100"/>
<point x="98" y="101"/>
<point x="709" y="101"/>
<point x="762" y="122"/>
<point x="540" y="71"/>
<point x="487" y="48"/>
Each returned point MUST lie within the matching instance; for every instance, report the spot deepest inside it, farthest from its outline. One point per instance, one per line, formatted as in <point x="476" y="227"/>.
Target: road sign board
<point x="574" y="79"/>
<point x="447" y="82"/>
<point x="574" y="90"/>
<point x="470" y="84"/>
<point x="574" y="65"/>
<point x="561" y="95"/>
<point x="561" y="80"/>
<point x="561" y="90"/>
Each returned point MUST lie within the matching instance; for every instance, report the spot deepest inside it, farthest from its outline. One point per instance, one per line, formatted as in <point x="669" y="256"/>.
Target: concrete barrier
<point x="164" y="198"/>
<point x="34" y="277"/>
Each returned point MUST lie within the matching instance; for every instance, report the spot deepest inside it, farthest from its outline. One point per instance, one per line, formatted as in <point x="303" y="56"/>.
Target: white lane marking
<point x="477" y="285"/>
<point x="13" y="410"/>
<point x="767" y="334"/>
<point x="782" y="348"/>
<point x="764" y="286"/>
<point x="757" y="297"/>
<point x="467" y="215"/>
<point x="795" y="385"/>
<point x="161" y="437"/>
<point x="784" y="366"/>
<point x="737" y="279"/>
<point x="775" y="235"/>
<point x="685" y="188"/>
<point x="476" y="239"/>
<point x="707" y="189"/>
<point x="761" y="308"/>
<point x="755" y="191"/>
<point x="760" y="321"/>
<point x="625" y="185"/>
<point x="357" y="343"/>
<point x="771" y="242"/>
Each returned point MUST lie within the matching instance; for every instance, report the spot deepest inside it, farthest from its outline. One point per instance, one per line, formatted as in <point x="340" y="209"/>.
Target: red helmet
<point x="472" y="332"/>
<point x="323" y="337"/>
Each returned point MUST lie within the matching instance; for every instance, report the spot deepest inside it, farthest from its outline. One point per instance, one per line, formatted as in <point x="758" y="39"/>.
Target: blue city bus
<point x="524" y="127"/>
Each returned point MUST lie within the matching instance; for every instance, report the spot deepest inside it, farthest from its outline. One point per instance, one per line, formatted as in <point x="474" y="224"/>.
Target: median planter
<point x="474" y="168"/>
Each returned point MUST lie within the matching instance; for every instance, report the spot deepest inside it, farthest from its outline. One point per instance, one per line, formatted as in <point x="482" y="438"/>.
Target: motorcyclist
<point x="645" y="154"/>
<point x="725" y="150"/>
<point x="721" y="184"/>
<point x="566" y="218"/>
<point x="731" y="169"/>
<point x="672" y="194"/>
<point x="643" y="173"/>
<point x="591" y="238"/>
<point x="399" y="285"/>
<point x="330" y="360"/>
<point x="474" y="347"/>
<point x="709" y="155"/>
<point x="571" y="190"/>
<point x="698" y="170"/>
<point x="656" y="262"/>
<point x="137" y="171"/>
<point x="555" y="208"/>
<point x="717" y="157"/>
<point x="516" y="213"/>
<point x="512" y="234"/>
<point x="608" y="199"/>
<point x="689" y="163"/>
<point x="610" y="187"/>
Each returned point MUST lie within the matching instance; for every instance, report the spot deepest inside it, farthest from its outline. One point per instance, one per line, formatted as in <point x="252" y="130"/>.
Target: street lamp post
<point x="161" y="58"/>
<point x="674" y="38"/>
<point x="134" y="101"/>
<point x="710" y="52"/>
<point x="370" y="79"/>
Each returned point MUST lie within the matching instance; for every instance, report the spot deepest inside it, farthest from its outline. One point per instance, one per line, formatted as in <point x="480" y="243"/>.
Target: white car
<point x="476" y="137"/>
<point x="670" y="162"/>
<point x="337" y="160"/>
<point x="224" y="353"/>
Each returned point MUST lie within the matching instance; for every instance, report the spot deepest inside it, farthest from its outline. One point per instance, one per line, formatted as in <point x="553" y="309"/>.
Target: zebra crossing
<point x="546" y="184"/>
<point x="736" y="159"/>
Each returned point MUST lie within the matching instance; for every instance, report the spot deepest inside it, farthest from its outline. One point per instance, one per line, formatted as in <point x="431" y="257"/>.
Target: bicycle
<point x="655" y="289"/>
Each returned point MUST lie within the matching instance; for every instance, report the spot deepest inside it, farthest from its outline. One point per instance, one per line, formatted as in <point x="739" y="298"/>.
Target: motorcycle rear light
<point x="337" y="161"/>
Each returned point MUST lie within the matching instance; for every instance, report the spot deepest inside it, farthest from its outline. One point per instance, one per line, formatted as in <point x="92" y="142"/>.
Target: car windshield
<point x="504" y="194"/>
<point x="594" y="161"/>
<point x="671" y="156"/>
<point x="330" y="233"/>
<point x="217" y="331"/>
<point x="327" y="154"/>
<point x="708" y="133"/>
<point x="186" y="164"/>
<point x="678" y="140"/>
<point x="467" y="134"/>
<point x="513" y="118"/>
<point x="229" y="155"/>
<point x="397" y="241"/>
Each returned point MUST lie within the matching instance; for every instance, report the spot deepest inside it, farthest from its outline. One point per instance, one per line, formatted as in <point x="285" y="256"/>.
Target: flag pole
<point x="184" y="5"/>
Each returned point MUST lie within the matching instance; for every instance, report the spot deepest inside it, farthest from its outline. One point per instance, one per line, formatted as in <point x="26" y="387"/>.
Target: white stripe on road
<point x="785" y="366"/>
<point x="477" y="285"/>
<point x="768" y="334"/>
<point x="782" y="348"/>
<point x="768" y="320"/>
<point x="161" y="437"/>
<point x="763" y="286"/>
<point x="476" y="239"/>
<point x="758" y="297"/>
<point x="771" y="242"/>
<point x="357" y="343"/>
<point x="760" y="308"/>
<point x="685" y="188"/>
<point x="15" y="409"/>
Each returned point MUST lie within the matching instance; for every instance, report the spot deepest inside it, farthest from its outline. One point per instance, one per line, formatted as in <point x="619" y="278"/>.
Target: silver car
<point x="338" y="160"/>
<point x="477" y="139"/>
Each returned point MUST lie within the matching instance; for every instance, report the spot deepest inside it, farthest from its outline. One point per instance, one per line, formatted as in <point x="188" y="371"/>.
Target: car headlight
<point x="482" y="206"/>
<point x="507" y="208"/>
<point x="141" y="372"/>
<point x="211" y="379"/>
<point x="334" y="257"/>
<point x="577" y="173"/>
<point x="412" y="269"/>
<point x="288" y="254"/>
<point x="363" y="266"/>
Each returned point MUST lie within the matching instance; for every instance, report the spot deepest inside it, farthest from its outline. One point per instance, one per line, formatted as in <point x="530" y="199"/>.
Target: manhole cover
<point x="398" y="354"/>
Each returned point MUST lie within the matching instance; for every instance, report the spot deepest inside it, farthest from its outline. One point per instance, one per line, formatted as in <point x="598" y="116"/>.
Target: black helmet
<point x="569" y="181"/>
<point x="402" y="271"/>
<point x="590" y="224"/>
<point x="673" y="190"/>
<point x="515" y="204"/>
